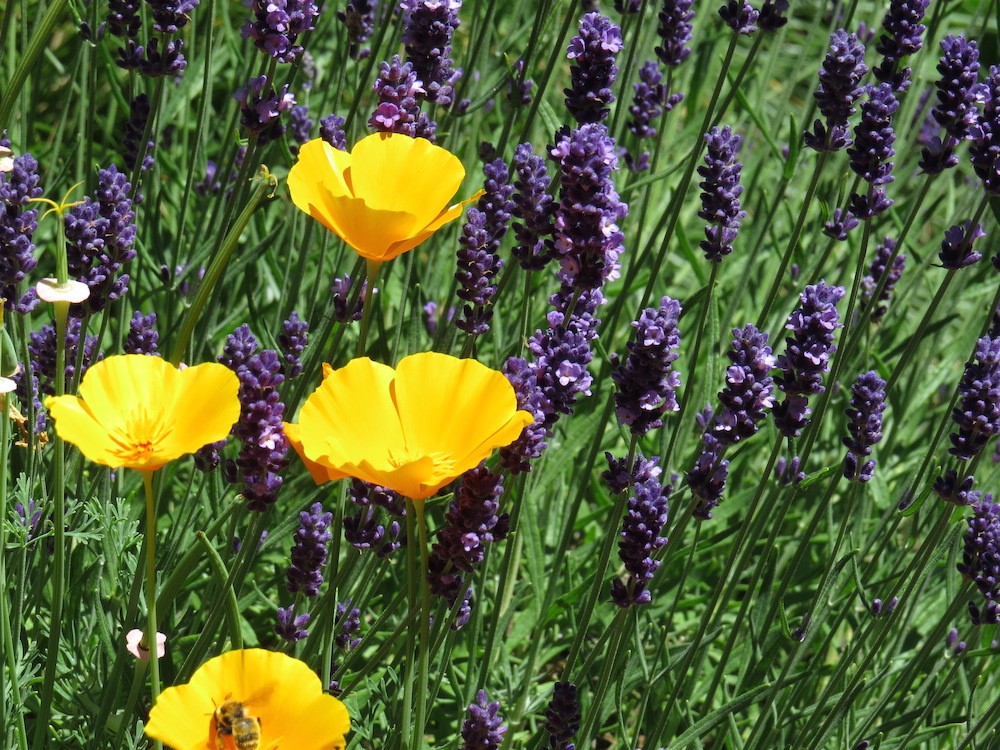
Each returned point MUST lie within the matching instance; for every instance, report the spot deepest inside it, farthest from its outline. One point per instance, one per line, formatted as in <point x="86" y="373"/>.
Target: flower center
<point x="140" y="436"/>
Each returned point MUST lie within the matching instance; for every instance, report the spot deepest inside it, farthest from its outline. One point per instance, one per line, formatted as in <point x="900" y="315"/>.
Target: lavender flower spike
<point x="807" y="355"/>
<point x="873" y="149"/>
<point x="533" y="209"/>
<point x="646" y="385"/>
<point x="864" y="417"/>
<point x="291" y="627"/>
<point x="645" y="517"/>
<point x="428" y="26"/>
<point x="956" y="248"/>
<point x="142" y="335"/>
<point x="276" y="25"/>
<point x="878" y="269"/>
<point x="292" y="341"/>
<point x="721" y="190"/>
<point x="648" y="103"/>
<point x="398" y="111"/>
<point x="838" y="89"/>
<point x="985" y="149"/>
<point x="261" y="107"/>
<point x="901" y="37"/>
<point x="978" y="411"/>
<point x="17" y="227"/>
<point x="981" y="559"/>
<point x="359" y="18"/>
<point x="562" y="716"/>
<point x="484" y="729"/>
<point x="674" y="31"/>
<point x="305" y="574"/>
<point x="740" y="16"/>
<point x="958" y="87"/>
<point x="593" y="71"/>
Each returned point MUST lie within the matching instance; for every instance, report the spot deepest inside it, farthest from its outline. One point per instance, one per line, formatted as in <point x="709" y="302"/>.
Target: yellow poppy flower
<point x="250" y="691"/>
<point x="386" y="196"/>
<point x="413" y="429"/>
<point x="141" y="412"/>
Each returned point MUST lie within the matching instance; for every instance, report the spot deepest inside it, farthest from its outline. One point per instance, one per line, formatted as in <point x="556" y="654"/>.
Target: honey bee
<point x="235" y="728"/>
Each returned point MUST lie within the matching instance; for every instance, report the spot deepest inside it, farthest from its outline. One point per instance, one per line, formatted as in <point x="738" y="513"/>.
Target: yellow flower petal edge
<point x="414" y="429"/>
<point x="140" y="412"/>
<point x="386" y="196"/>
<point x="276" y="693"/>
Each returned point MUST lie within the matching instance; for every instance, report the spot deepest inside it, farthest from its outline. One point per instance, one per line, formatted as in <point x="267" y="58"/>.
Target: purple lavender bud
<point x="956" y="248"/>
<point x="240" y="345"/>
<point x="646" y="385"/>
<point x="981" y="559"/>
<point x="772" y="15"/>
<point x="484" y="729"/>
<point x="261" y="107"/>
<point x="209" y="184"/>
<point x="208" y="457"/>
<point x="648" y="100"/>
<point x="349" y="620"/>
<point x="873" y="149"/>
<point x="305" y="573"/>
<point x="533" y="208"/>
<point x="299" y="124"/>
<point x="290" y="627"/>
<point x="593" y="71"/>
<point x="42" y="351"/>
<point x="864" y="422"/>
<point x="618" y="476"/>
<point x="518" y="87"/>
<point x="985" y="149"/>
<point x="841" y="223"/>
<point x="877" y="269"/>
<point x="958" y="87"/>
<point x="707" y="480"/>
<point x="562" y="716"/>
<point x="645" y="517"/>
<point x="839" y="80"/>
<point x="740" y="16"/>
<point x="978" y="411"/>
<point x="747" y="394"/>
<point x="18" y="223"/>
<point x="587" y="238"/>
<point x="471" y="524"/>
<point x="900" y="38"/>
<point x="789" y="472"/>
<point x="292" y="342"/>
<point x="170" y="16"/>
<point x="428" y="26"/>
<point x="123" y="18"/>
<point x="721" y="190"/>
<point x="398" y="111"/>
<point x="341" y="291"/>
<point x="952" y="490"/>
<point x="807" y="355"/>
<point x="275" y="26"/>
<point x="134" y="130"/>
<point x="331" y="130"/>
<point x="363" y="530"/>
<point x="530" y="444"/>
<point x="359" y="18"/>
<point x="142" y="335"/>
<point x="30" y="517"/>
<point x="674" y="31"/>
<point x="151" y="62"/>
<point x="937" y="155"/>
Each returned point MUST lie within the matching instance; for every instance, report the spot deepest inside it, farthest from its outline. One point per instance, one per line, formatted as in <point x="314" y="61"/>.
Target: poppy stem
<point x="149" y="637"/>
<point x="372" y="267"/>
<point x="423" y="646"/>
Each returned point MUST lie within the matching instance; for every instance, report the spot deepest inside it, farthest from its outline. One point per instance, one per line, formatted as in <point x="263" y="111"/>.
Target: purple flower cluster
<point x="740" y="16"/>
<point x="864" y="422"/>
<point x="341" y="294"/>
<point x="744" y="401"/>
<point x="275" y="26"/>
<point x="363" y="530"/>
<point x="100" y="237"/>
<point x="645" y="516"/>
<point x="261" y="107"/>
<point x="359" y="18"/>
<point x="150" y="60"/>
<point x="348" y="619"/>
<point x="880" y="267"/>
<point x="292" y="342"/>
<point x="123" y="18"/>
<point x="985" y="149"/>
<point x="305" y="572"/>
<point x="721" y="190"/>
<point x="478" y="258"/>
<point x="428" y="26"/>
<point x="170" y="16"/>
<point x="958" y="87"/>
<point x="838" y="90"/>
<point x="562" y="716"/>
<point x="807" y="355"/>
<point x="259" y="428"/>
<point x="18" y="223"/>
<point x="593" y="71"/>
<point x="977" y="413"/>
<point x="398" y="110"/>
<point x="951" y="489"/>
<point x="956" y="247"/>
<point x="646" y="384"/>
<point x="42" y="351"/>
<point x="135" y="128"/>
<point x="772" y="15"/>
<point x="981" y="559"/>
<point x="901" y="37"/>
<point x="533" y="208"/>
<point x="484" y="729"/>
<point x="587" y="238"/>
<point x="872" y="150"/>
<point x="300" y="126"/>
<point x="471" y="524"/>
<point x="331" y="130"/>
<point x="648" y="103"/>
<point x="674" y="31"/>
<point x="291" y="627"/>
<point x="142" y="335"/>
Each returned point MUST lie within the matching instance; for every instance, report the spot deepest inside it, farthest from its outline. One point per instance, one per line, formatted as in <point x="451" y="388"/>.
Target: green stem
<point x="149" y="636"/>
<point x="423" y="646"/>
<point x="371" y="274"/>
